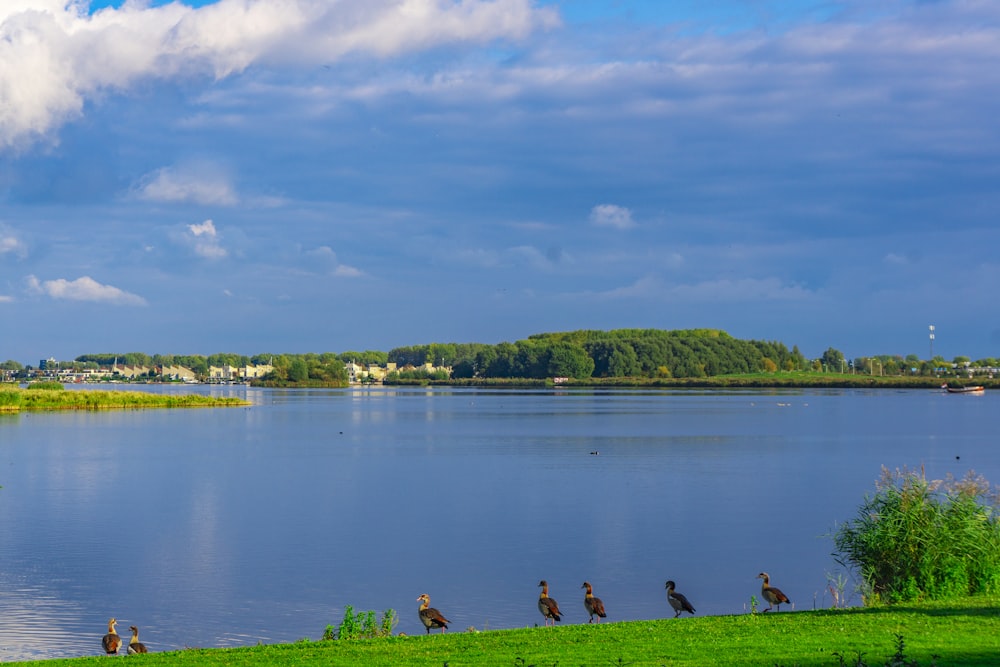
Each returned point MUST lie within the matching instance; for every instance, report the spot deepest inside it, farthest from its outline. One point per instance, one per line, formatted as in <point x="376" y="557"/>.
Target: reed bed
<point x="17" y="399"/>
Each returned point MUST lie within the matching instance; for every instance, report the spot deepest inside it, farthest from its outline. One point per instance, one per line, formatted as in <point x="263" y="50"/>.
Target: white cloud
<point x="12" y="246"/>
<point x="54" y="56"/>
<point x="345" y="271"/>
<point x="204" y="240"/>
<point x="83" y="289"/>
<point x="201" y="184"/>
<point x="610" y="215"/>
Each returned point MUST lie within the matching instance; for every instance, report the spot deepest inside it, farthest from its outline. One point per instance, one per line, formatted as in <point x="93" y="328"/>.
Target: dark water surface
<point x="223" y="527"/>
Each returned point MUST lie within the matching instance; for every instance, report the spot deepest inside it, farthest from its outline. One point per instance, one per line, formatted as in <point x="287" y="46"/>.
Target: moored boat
<point x="972" y="389"/>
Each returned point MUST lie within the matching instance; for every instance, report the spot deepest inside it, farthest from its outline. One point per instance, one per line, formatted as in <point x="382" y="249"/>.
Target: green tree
<point x="833" y="360"/>
<point x="298" y="371"/>
<point x="614" y="358"/>
<point x="569" y="360"/>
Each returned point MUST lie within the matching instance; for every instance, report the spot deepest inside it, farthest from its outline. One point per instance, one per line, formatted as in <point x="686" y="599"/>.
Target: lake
<point x="233" y="526"/>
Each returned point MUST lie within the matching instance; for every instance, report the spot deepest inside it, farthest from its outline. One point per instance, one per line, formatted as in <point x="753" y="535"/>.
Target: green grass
<point x="16" y="400"/>
<point x="961" y="634"/>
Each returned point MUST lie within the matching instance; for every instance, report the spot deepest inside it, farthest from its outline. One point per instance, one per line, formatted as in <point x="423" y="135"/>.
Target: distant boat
<point x="972" y="389"/>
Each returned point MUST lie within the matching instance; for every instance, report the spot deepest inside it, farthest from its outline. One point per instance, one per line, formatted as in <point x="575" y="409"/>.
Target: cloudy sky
<point x="263" y="176"/>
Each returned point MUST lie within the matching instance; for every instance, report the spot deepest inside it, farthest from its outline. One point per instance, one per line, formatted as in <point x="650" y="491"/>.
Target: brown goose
<point x="431" y="617"/>
<point x="593" y="605"/>
<point x="548" y="606"/>
<point x="678" y="601"/>
<point x="134" y="645"/>
<point x="111" y="641"/>
<point x="773" y="595"/>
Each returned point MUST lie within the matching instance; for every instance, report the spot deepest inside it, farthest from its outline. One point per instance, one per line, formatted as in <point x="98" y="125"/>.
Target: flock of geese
<point x="549" y="608"/>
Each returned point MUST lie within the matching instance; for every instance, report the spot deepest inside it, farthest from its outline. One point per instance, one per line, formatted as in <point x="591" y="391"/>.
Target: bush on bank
<point x="914" y="538"/>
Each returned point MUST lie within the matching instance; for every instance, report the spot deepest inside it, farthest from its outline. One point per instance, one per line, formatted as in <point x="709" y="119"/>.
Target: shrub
<point x="362" y="625"/>
<point x="916" y="538"/>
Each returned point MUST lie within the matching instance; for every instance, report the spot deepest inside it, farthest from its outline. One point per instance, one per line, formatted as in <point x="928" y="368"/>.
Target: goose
<point x="593" y="605"/>
<point x="111" y="641"/>
<point x="134" y="645"/>
<point x="678" y="601"/>
<point x="548" y="606"/>
<point x="431" y="617"/>
<point x="773" y="595"/>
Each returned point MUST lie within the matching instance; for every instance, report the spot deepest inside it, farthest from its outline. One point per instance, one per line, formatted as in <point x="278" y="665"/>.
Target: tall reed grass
<point x="915" y="539"/>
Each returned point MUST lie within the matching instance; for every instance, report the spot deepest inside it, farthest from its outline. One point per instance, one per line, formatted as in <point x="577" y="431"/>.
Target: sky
<point x="291" y="176"/>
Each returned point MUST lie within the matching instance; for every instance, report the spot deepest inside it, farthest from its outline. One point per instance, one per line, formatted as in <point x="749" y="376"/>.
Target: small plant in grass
<point x="916" y="538"/>
<point x="836" y="585"/>
<point x="363" y="625"/>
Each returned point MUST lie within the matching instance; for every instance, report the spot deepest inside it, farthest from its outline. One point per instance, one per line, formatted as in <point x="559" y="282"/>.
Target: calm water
<point x="222" y="527"/>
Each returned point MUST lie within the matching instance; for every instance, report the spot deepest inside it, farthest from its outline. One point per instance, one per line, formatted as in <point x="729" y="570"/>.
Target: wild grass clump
<point x="46" y="384"/>
<point x="15" y="400"/>
<point x="10" y="399"/>
<point x="363" y="625"/>
<point x="916" y="539"/>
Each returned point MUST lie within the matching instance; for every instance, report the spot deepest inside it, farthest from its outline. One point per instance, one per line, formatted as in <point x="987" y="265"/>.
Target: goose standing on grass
<point x="548" y="606"/>
<point x="431" y="617"/>
<point x="678" y="601"/>
<point x="111" y="641"/>
<point x="593" y="605"/>
<point x="773" y="595"/>
<point x="134" y="645"/>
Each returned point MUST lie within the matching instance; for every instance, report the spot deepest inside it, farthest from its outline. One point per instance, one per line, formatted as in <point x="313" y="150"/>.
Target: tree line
<point x="583" y="354"/>
<point x="603" y="354"/>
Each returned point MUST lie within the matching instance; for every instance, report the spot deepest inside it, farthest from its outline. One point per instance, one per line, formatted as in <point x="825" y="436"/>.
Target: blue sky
<point x="257" y="176"/>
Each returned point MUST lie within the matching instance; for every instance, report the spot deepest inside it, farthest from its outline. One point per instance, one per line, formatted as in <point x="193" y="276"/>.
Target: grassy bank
<point x="14" y="399"/>
<point x="789" y="380"/>
<point x="961" y="634"/>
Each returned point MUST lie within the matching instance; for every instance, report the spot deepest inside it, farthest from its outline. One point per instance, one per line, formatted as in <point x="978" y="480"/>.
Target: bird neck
<point x="135" y="637"/>
<point x="111" y="629"/>
<point x="424" y="604"/>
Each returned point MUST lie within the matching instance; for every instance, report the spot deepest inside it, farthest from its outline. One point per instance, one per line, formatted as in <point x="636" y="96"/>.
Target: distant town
<point x="51" y="370"/>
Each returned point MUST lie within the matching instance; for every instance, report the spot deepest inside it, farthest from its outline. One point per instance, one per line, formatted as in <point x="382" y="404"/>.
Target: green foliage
<point x="898" y="659"/>
<point x="321" y="370"/>
<point x="645" y="353"/>
<point x="60" y="399"/>
<point x="10" y="399"/>
<point x="46" y="385"/>
<point x="917" y="539"/>
<point x="363" y="625"/>
<point x="833" y="361"/>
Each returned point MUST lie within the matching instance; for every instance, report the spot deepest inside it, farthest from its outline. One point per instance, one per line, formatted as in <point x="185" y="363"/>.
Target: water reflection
<point x="222" y="527"/>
